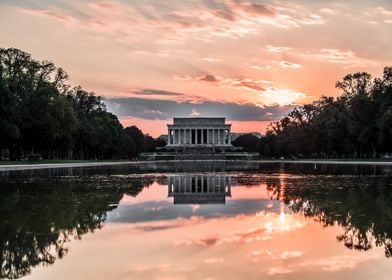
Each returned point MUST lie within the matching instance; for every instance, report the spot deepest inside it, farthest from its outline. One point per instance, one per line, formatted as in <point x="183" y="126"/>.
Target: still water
<point x="184" y="221"/>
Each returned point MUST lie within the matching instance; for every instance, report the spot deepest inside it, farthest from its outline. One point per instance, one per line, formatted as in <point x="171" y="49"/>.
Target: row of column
<point x="184" y="136"/>
<point x="199" y="184"/>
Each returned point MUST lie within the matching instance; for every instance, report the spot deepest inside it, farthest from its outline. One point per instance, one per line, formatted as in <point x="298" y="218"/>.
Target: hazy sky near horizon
<point x="250" y="61"/>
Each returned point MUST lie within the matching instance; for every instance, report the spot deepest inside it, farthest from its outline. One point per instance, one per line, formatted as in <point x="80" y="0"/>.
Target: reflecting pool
<point x="188" y="221"/>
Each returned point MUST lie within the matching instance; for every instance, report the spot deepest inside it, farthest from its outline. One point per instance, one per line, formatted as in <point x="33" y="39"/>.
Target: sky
<point x="247" y="60"/>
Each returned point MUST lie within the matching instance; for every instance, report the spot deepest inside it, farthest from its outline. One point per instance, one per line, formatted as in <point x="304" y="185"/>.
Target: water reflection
<point x="40" y="215"/>
<point x="39" y="218"/>
<point x="362" y="206"/>
<point x="199" y="189"/>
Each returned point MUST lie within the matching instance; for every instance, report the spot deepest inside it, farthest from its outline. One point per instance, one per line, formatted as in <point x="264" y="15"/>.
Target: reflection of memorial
<point x="199" y="189"/>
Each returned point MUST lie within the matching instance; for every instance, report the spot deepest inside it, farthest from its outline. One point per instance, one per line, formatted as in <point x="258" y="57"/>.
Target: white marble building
<point x="199" y="189"/>
<point x="199" y="132"/>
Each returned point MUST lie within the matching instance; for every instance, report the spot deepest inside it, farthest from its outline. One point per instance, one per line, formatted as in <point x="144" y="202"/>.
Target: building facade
<point x="199" y="189"/>
<point x="199" y="132"/>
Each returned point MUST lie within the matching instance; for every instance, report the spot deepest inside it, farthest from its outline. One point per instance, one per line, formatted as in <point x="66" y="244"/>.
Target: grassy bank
<point x="53" y="161"/>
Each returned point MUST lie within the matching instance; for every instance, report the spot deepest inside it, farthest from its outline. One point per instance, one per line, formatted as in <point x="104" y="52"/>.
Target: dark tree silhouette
<point x="40" y="113"/>
<point x="357" y="124"/>
<point x="40" y="217"/>
<point x="248" y="142"/>
<point x="361" y="205"/>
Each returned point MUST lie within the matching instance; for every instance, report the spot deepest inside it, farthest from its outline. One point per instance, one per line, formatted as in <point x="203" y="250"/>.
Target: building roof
<point x="199" y="121"/>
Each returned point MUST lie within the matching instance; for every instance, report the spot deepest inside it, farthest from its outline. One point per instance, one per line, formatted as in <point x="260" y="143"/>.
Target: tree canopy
<point x="357" y="124"/>
<point x="40" y="113"/>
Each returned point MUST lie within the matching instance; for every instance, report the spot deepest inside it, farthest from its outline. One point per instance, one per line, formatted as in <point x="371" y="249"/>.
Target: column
<point x="168" y="136"/>
<point x="223" y="136"/>
<point x="195" y="136"/>
<point x="183" y="137"/>
<point x="222" y="132"/>
<point x="202" y="136"/>
<point x="213" y="135"/>
<point x="208" y="136"/>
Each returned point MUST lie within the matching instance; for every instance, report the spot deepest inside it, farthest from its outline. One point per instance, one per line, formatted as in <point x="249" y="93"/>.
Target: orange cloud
<point x="286" y="64"/>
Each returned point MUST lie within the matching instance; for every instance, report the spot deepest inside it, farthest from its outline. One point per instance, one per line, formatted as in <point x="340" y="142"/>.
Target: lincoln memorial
<point x="199" y="188"/>
<point x="207" y="139"/>
<point x="199" y="132"/>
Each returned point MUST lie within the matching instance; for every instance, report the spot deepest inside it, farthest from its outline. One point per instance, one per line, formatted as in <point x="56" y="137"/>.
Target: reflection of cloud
<point x="153" y="209"/>
<point x="212" y="261"/>
<point x="290" y="254"/>
<point x="236" y="237"/>
<point x="210" y="59"/>
<point x="169" y="224"/>
<point x="158" y="269"/>
<point x="338" y="263"/>
<point x="261" y="67"/>
<point x="277" y="49"/>
<point x="272" y="225"/>
<point x="286" y="64"/>
<point x="278" y="270"/>
<point x="195" y="207"/>
<point x="262" y="252"/>
<point x="194" y="113"/>
<point x="156" y="227"/>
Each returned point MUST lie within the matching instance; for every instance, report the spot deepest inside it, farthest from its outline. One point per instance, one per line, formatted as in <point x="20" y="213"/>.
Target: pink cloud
<point x="286" y="64"/>
<point x="290" y="254"/>
<point x="347" y="58"/>
<point x="58" y="15"/>
<point x="235" y="83"/>
<point x="277" y="49"/>
<point x="278" y="270"/>
<point x="338" y="263"/>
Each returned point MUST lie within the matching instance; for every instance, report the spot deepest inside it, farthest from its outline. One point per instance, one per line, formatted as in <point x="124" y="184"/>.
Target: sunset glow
<point x="249" y="61"/>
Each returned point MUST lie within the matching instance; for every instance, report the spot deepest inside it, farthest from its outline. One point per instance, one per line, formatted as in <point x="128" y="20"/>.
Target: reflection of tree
<point x="361" y="205"/>
<point x="38" y="219"/>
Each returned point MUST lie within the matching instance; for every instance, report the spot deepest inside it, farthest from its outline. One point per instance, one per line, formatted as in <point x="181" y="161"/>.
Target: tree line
<point x="41" y="115"/>
<point x="33" y="235"/>
<point x="357" y="124"/>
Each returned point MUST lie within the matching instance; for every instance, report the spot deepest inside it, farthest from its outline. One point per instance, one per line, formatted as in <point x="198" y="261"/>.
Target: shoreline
<point x="17" y="167"/>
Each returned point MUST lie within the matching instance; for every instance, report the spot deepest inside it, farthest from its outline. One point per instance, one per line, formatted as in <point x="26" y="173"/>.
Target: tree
<point x="356" y="124"/>
<point x="248" y="142"/>
<point x="8" y="130"/>
<point x="138" y="137"/>
<point x="41" y="114"/>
